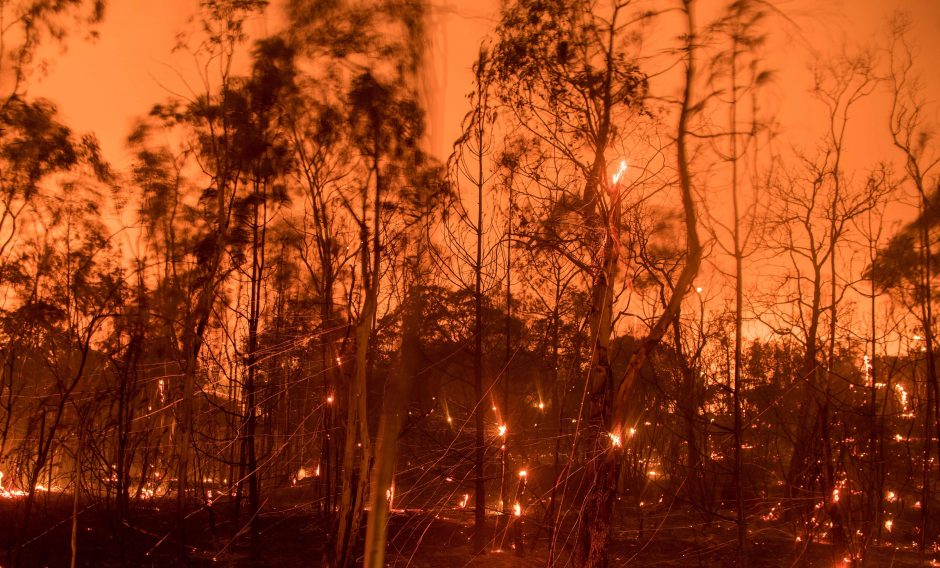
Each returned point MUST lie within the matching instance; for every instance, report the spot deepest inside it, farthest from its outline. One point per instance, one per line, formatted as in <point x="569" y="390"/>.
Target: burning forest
<point x="561" y="283"/>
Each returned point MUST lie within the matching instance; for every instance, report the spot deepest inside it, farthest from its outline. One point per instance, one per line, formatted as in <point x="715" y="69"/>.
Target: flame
<point x="620" y="172"/>
<point x="11" y="493"/>
<point x="523" y="473"/>
<point x="502" y="430"/>
<point x="517" y="509"/>
<point x="902" y="395"/>
<point x="464" y="501"/>
<point x="615" y="440"/>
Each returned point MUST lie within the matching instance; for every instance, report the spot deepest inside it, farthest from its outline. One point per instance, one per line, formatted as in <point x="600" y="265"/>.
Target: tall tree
<point x="910" y="256"/>
<point x="208" y="124"/>
<point x="568" y="78"/>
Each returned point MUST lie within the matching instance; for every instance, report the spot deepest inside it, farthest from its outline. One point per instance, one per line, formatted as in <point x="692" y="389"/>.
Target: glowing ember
<point x="517" y="509"/>
<point x="615" y="440"/>
<point x="463" y="501"/>
<point x="502" y="430"/>
<point x="523" y="473"/>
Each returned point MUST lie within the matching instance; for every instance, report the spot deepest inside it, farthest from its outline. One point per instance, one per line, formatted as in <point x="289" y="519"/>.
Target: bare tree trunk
<point x="251" y="412"/>
<point x="738" y="318"/>
<point x="76" y="494"/>
<point x="394" y="410"/>
<point x="877" y="465"/>
<point x="931" y="378"/>
<point x="479" y="453"/>
<point x="354" y="486"/>
<point x="185" y="421"/>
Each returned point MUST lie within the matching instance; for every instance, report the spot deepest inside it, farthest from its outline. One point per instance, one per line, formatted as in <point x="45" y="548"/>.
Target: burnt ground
<point x="294" y="535"/>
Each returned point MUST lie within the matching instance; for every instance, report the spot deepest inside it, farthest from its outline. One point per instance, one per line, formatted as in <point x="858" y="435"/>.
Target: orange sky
<point x="101" y="86"/>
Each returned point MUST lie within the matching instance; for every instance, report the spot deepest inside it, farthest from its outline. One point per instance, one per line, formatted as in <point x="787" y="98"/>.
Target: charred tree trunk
<point x="394" y="410"/>
<point x="251" y="368"/>
<point x="355" y="479"/>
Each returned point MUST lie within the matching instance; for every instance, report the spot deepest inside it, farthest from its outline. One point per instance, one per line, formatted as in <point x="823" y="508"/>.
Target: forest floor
<point x="293" y="536"/>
